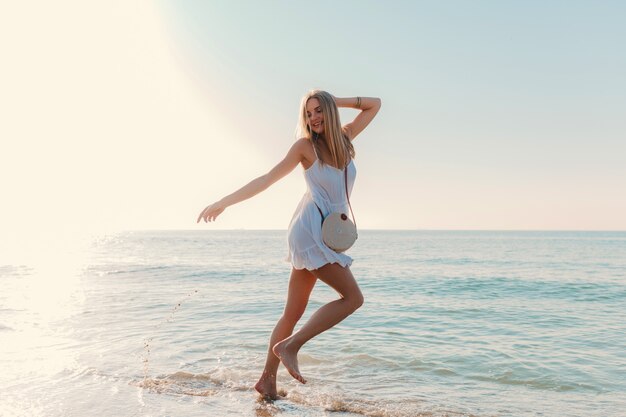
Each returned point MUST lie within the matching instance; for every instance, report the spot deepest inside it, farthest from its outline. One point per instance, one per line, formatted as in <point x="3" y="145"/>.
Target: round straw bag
<point x="338" y="232"/>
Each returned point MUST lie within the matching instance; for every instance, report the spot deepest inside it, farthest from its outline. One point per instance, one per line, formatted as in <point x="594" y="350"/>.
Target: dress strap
<point x="314" y="140"/>
<point x="314" y="143"/>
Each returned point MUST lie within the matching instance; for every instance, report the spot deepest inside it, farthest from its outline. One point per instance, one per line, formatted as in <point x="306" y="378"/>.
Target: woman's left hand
<point x="211" y="212"/>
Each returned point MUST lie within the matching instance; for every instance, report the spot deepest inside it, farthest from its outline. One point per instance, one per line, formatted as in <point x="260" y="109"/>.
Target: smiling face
<point x="315" y="117"/>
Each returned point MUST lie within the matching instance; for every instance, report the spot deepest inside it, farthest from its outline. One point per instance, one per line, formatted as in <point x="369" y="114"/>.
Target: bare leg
<point x="327" y="316"/>
<point x="301" y="284"/>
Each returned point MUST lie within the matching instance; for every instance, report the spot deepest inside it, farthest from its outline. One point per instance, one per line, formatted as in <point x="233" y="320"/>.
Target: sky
<point x="496" y="115"/>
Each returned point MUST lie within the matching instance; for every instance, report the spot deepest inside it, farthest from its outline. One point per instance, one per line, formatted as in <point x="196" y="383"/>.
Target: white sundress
<point x="326" y="187"/>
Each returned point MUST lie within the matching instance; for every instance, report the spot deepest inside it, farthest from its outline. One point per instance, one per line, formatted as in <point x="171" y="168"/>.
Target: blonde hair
<point x="339" y="145"/>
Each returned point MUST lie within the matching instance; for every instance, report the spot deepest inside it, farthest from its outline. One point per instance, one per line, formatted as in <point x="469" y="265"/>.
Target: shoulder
<point x="302" y="142"/>
<point x="304" y="148"/>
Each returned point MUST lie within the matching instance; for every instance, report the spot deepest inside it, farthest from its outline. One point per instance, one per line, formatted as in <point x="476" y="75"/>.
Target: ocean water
<point x="177" y="323"/>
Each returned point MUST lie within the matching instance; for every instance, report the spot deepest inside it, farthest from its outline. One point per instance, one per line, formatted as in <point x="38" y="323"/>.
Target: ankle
<point x="268" y="374"/>
<point x="293" y="344"/>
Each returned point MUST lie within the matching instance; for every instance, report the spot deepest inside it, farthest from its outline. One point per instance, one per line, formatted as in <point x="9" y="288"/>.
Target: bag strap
<point x="320" y="210"/>
<point x="345" y="175"/>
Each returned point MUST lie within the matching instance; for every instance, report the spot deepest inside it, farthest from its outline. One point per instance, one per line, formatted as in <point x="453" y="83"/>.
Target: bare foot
<point x="289" y="358"/>
<point x="266" y="386"/>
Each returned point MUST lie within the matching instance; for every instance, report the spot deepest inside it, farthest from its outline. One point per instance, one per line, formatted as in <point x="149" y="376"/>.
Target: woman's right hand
<point x="211" y="212"/>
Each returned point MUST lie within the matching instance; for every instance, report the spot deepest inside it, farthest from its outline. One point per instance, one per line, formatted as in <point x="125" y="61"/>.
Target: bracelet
<point x="358" y="102"/>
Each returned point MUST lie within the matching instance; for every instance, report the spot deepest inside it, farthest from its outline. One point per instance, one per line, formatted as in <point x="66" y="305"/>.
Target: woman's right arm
<point x="254" y="187"/>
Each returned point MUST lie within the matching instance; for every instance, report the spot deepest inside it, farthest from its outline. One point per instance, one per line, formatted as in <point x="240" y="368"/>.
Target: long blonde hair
<point x="339" y="145"/>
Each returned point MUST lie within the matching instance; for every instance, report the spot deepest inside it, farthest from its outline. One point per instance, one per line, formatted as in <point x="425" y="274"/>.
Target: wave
<point x="222" y="382"/>
<point x="543" y="383"/>
<point x="195" y="384"/>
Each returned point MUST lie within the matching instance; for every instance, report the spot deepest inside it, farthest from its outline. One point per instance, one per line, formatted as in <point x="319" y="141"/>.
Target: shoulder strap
<point x="314" y="143"/>
<point x="345" y="175"/>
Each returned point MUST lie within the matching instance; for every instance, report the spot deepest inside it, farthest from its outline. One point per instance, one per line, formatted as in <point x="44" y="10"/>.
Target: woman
<point x="324" y="150"/>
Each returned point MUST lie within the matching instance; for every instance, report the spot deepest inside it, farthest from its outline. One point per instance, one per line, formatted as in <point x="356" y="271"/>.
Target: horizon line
<point x="380" y="230"/>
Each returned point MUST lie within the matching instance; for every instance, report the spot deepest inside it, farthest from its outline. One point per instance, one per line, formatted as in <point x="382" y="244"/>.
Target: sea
<point x="454" y="323"/>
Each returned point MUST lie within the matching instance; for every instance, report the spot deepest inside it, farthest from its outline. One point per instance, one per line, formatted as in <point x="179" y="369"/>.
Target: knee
<point x="356" y="301"/>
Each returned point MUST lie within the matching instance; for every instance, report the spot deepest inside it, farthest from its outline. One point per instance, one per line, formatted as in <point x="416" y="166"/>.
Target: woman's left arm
<point x="369" y="106"/>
